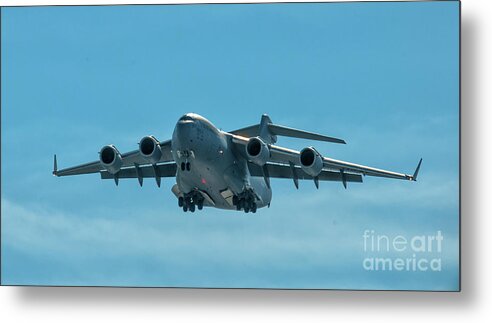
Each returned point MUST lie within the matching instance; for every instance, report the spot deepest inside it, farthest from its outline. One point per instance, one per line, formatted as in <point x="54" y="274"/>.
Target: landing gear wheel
<point x="241" y="203"/>
<point x="187" y="200"/>
<point x="191" y="201"/>
<point x="253" y="208"/>
<point x="188" y="167"/>
<point x="182" y="166"/>
<point x="235" y="200"/>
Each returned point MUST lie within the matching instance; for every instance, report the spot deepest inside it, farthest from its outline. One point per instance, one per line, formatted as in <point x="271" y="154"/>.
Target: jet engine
<point x="311" y="161"/>
<point x="149" y="149"/>
<point x="257" y="151"/>
<point x="110" y="159"/>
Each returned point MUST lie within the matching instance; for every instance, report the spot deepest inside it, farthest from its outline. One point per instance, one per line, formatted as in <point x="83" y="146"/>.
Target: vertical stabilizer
<point x="264" y="131"/>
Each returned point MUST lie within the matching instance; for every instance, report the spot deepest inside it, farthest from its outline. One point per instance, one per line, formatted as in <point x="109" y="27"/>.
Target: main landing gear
<point x="191" y="201"/>
<point x="245" y="201"/>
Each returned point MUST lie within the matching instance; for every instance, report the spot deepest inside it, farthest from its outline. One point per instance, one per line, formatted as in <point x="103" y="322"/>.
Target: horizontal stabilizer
<point x="296" y="133"/>
<point x="268" y="131"/>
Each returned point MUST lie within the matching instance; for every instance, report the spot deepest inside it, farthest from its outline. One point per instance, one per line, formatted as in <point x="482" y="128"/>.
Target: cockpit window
<point x="186" y="117"/>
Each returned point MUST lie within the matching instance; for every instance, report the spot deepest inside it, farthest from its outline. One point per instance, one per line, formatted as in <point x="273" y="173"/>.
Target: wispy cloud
<point x="390" y="92"/>
<point x="321" y="250"/>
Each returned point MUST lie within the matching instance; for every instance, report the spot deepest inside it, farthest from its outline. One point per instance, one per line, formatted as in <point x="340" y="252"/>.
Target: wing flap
<point x="163" y="170"/>
<point x="365" y="170"/>
<point x="284" y="171"/>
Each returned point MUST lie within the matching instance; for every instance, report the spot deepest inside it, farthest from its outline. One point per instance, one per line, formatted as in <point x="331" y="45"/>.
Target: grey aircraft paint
<point x="226" y="170"/>
<point x="209" y="162"/>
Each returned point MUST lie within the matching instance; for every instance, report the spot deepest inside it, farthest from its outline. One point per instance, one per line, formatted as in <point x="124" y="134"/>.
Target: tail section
<point x="268" y="132"/>
<point x="295" y="133"/>
<point x="264" y="130"/>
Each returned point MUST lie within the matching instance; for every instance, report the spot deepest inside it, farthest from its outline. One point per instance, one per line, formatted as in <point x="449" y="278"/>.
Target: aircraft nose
<point x="187" y="118"/>
<point x="185" y="127"/>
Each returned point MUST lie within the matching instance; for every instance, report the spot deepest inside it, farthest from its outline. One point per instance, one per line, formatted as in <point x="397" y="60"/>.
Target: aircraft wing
<point x="285" y="155"/>
<point x="130" y="159"/>
<point x="289" y="160"/>
<point x="140" y="172"/>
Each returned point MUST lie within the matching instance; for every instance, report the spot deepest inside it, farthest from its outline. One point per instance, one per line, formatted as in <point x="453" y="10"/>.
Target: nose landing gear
<point x="245" y="201"/>
<point x="190" y="201"/>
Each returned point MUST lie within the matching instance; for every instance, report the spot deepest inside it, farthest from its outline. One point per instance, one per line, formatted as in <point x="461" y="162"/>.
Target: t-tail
<point x="268" y="132"/>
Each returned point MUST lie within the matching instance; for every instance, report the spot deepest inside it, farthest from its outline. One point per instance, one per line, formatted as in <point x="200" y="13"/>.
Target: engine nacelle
<point x="149" y="149"/>
<point x="311" y="161"/>
<point x="110" y="159"/>
<point x="257" y="151"/>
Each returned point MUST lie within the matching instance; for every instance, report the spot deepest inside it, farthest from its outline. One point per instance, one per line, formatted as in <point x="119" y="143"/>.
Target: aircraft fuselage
<point x="207" y="162"/>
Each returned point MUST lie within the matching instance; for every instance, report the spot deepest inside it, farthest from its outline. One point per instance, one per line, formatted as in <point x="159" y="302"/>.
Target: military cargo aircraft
<point x="226" y="170"/>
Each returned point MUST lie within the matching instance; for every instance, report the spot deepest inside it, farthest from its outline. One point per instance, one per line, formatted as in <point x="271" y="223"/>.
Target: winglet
<point x="55" y="167"/>
<point x="414" y="177"/>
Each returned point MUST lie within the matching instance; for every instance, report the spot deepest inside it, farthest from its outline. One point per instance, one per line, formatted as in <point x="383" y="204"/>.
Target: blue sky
<point x="382" y="76"/>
